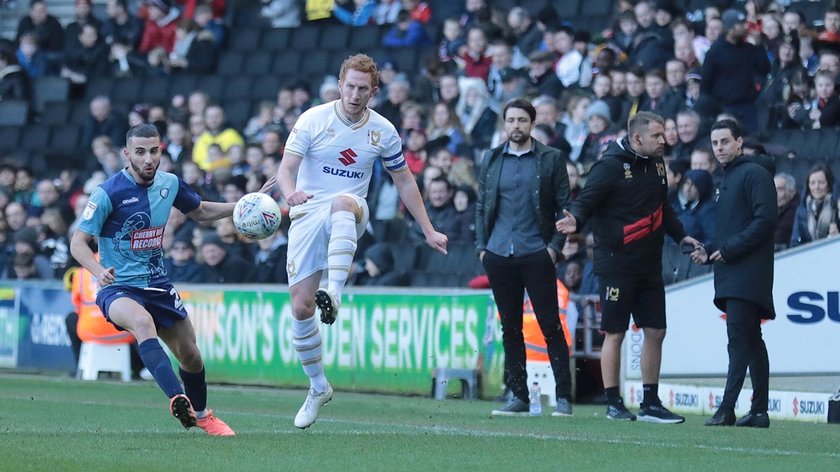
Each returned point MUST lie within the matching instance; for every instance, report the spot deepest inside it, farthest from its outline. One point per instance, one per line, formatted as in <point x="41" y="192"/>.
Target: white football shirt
<point x="338" y="156"/>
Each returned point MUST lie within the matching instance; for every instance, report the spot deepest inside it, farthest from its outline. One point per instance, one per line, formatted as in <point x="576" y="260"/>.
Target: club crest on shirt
<point x="612" y="294"/>
<point x="330" y="133"/>
<point x="627" y="173"/>
<point x="164" y="192"/>
<point x="89" y="209"/>
<point x="374" y="138"/>
<point x="660" y="169"/>
<point x="291" y="268"/>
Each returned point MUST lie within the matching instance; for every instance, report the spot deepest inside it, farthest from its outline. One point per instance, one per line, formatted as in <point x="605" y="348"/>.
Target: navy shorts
<point x="162" y="302"/>
<point x="623" y="295"/>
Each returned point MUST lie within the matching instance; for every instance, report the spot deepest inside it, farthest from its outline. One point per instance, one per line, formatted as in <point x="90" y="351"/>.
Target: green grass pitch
<point x="66" y="425"/>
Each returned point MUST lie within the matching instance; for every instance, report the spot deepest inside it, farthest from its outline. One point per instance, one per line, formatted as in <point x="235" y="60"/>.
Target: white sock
<point x="307" y="340"/>
<point x="340" y="252"/>
<point x="201" y="414"/>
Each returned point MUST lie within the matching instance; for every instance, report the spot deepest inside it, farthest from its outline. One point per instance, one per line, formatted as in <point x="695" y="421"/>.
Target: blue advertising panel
<point x="9" y="333"/>
<point x="44" y="343"/>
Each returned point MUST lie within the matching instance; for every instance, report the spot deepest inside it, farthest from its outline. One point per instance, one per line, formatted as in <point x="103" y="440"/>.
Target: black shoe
<point x="721" y="418"/>
<point x="754" y="420"/>
<point x="656" y="413"/>
<point x="515" y="407"/>
<point x="619" y="412"/>
<point x="328" y="303"/>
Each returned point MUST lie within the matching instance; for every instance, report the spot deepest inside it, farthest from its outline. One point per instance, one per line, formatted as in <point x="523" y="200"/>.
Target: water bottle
<point x="535" y="398"/>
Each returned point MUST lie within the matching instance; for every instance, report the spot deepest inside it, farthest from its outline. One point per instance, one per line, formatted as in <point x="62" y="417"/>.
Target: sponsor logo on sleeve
<point x="89" y="209"/>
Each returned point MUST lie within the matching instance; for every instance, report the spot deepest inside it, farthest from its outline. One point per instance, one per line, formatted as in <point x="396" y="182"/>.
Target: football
<point x="256" y="216"/>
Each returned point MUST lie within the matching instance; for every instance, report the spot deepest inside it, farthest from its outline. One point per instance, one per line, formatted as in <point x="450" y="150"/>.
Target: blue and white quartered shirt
<point x="129" y="220"/>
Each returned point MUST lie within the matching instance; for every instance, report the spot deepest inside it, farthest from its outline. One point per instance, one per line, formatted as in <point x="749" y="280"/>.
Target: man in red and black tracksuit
<point x="625" y="201"/>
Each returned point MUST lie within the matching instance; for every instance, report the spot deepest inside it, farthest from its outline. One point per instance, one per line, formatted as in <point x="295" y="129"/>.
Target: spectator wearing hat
<point x="694" y="100"/>
<point x="220" y="266"/>
<point x="180" y="262"/>
<point x="601" y="132"/>
<point x="731" y="69"/>
<point x="159" y="29"/>
<point x="542" y="79"/>
<point x="406" y="33"/>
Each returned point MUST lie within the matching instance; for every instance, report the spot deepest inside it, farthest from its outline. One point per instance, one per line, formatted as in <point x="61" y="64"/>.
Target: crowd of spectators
<point x="764" y="65"/>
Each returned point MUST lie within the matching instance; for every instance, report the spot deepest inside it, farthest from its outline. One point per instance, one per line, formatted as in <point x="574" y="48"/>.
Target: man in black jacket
<point x="523" y="185"/>
<point x="743" y="257"/>
<point x="625" y="201"/>
<point x="732" y="68"/>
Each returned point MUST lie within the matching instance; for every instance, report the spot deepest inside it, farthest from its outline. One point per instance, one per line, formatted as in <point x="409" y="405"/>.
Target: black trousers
<point x="746" y="349"/>
<point x="509" y="278"/>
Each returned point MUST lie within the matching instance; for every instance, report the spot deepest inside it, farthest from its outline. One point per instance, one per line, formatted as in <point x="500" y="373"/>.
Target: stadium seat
<point x="247" y="17"/>
<point x="257" y="63"/>
<point x="595" y="7"/>
<point x="245" y="39"/>
<point x="127" y="90"/>
<point x="826" y="148"/>
<point x="79" y="111"/>
<point x="14" y="112"/>
<point x="183" y="84"/>
<point x="64" y="138"/>
<point x="9" y="137"/>
<point x="316" y="64"/>
<point x="213" y="86"/>
<point x="56" y="113"/>
<point x="230" y="63"/>
<point x="238" y="88"/>
<point x="95" y="358"/>
<point x="405" y="59"/>
<point x="338" y="58"/>
<point x="49" y="89"/>
<point x="306" y="37"/>
<point x="237" y="113"/>
<point x="286" y="64"/>
<point x="98" y="86"/>
<point x="366" y="37"/>
<point x="335" y="37"/>
<point x="155" y="90"/>
<point x="34" y="138"/>
<point x="265" y="87"/>
<point x="276" y="39"/>
<point x="533" y="6"/>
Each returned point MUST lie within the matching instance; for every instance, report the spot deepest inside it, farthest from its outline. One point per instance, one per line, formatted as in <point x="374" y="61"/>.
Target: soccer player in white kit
<point x="324" y="176"/>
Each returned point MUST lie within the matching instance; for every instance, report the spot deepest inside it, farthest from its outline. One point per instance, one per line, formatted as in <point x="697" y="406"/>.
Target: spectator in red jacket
<point x="159" y="30"/>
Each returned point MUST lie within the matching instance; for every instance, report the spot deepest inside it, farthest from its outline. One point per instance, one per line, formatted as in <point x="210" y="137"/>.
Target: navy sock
<point x="156" y="360"/>
<point x="613" y="398"/>
<point x="195" y="387"/>
<point x="651" y="394"/>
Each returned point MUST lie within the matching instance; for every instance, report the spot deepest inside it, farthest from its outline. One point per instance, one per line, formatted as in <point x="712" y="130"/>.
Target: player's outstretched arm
<point x="211" y="211"/>
<point x="81" y="251"/>
<point x="410" y="196"/>
<point x="286" y="175"/>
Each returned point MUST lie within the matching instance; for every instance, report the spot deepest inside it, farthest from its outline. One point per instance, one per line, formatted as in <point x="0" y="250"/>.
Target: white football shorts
<point x="309" y="236"/>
